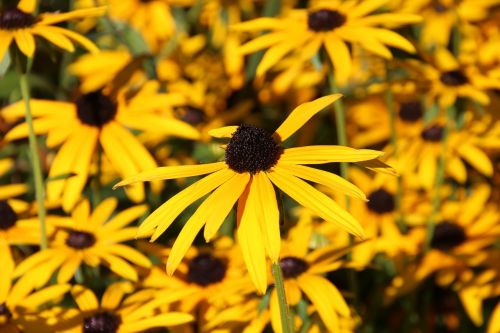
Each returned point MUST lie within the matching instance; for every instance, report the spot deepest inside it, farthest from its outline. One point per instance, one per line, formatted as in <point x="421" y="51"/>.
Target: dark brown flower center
<point x="381" y="201"/>
<point x="433" y="133"/>
<point x="80" y="239"/>
<point x="205" y="269"/>
<point x="4" y="311"/>
<point x="252" y="149"/>
<point x="104" y="322"/>
<point x="13" y="18"/>
<point x="293" y="267"/>
<point x="191" y="115"/>
<point x="325" y="20"/>
<point x="447" y="235"/>
<point x="411" y="111"/>
<point x="453" y="78"/>
<point x="95" y="109"/>
<point x="8" y="217"/>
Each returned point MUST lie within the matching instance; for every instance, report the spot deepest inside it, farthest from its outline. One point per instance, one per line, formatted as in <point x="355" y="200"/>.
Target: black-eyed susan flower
<point x="254" y="161"/>
<point x="18" y="24"/>
<point x="117" y="313"/>
<point x="332" y="24"/>
<point x="97" y="120"/>
<point x="91" y="238"/>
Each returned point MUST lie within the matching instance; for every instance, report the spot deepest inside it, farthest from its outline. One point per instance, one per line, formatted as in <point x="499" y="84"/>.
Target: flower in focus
<point x="254" y="161"/>
<point x="94" y="239"/>
<point x="96" y="119"/>
<point x="20" y="25"/>
<point x="332" y="24"/>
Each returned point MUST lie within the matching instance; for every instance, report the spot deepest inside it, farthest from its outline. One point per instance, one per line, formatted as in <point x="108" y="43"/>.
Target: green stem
<point x="436" y="202"/>
<point x="286" y="318"/>
<point x="35" y="158"/>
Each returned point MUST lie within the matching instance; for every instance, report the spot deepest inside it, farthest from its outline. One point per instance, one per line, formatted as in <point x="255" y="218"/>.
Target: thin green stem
<point x="286" y="318"/>
<point x="35" y="158"/>
<point x="436" y="202"/>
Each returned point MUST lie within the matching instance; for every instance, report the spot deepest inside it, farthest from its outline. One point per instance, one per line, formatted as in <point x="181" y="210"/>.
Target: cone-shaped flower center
<point x="381" y="202"/>
<point x="205" y="269"/>
<point x="80" y="239"/>
<point x="453" y="78"/>
<point x="252" y="149"/>
<point x="433" y="133"/>
<point x="95" y="109"/>
<point x="325" y="20"/>
<point x="191" y="115"/>
<point x="8" y="217"/>
<point x="411" y="111"/>
<point x="13" y="18"/>
<point x="293" y="267"/>
<point x="447" y="235"/>
<point x="104" y="322"/>
<point x="4" y="312"/>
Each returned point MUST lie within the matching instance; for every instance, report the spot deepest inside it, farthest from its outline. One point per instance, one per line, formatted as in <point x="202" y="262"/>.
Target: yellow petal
<point x="83" y="41"/>
<point x="25" y="41"/>
<point x="84" y="298"/>
<point x="5" y="40"/>
<point x="124" y="218"/>
<point x="162" y="321"/>
<point x="323" y="206"/>
<point x="173" y="172"/>
<point x="119" y="266"/>
<point x="477" y="158"/>
<point x="7" y="270"/>
<point x="27" y="6"/>
<point x="366" y="7"/>
<point x="54" y="37"/>
<point x="113" y="295"/>
<point x="223" y="132"/>
<point x="327" y="154"/>
<point x="102" y="212"/>
<point x="325" y="178"/>
<point x="50" y="18"/>
<point x="52" y="293"/>
<point x="340" y="57"/>
<point x="68" y="269"/>
<point x="274" y="309"/>
<point x="301" y="114"/>
<point x="128" y="253"/>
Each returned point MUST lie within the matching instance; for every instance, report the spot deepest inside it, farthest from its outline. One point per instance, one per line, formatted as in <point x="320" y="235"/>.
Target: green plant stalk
<point x="35" y="158"/>
<point x="436" y="201"/>
<point x="286" y="318"/>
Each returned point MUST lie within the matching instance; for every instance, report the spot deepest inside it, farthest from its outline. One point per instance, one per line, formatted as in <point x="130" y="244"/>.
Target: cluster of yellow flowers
<point x="371" y="206"/>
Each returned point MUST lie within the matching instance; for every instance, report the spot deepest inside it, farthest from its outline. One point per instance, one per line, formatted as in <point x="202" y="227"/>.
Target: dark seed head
<point x="411" y="111"/>
<point x="191" y="115"/>
<point x="4" y="311"/>
<point x="8" y="217"/>
<point x="205" y="269"/>
<point x="381" y="202"/>
<point x="325" y="20"/>
<point x="433" y="133"/>
<point x="252" y="149"/>
<point x="80" y="239"/>
<point x="447" y="235"/>
<point x="454" y="78"/>
<point x="13" y="18"/>
<point x="104" y="322"/>
<point x="95" y="109"/>
<point x="293" y="267"/>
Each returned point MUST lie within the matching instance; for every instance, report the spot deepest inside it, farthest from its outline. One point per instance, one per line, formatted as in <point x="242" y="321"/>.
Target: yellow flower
<point x="332" y="24"/>
<point x="19" y="25"/>
<point x="90" y="239"/>
<point x="117" y="313"/>
<point x="254" y="161"/>
<point x="93" y="120"/>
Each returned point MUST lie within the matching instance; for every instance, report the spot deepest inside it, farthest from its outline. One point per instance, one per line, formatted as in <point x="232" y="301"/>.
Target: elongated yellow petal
<point x="477" y="158"/>
<point x="274" y="310"/>
<point x="275" y="53"/>
<point x="102" y="212"/>
<point x="323" y="206"/>
<point x="54" y="37"/>
<point x="268" y="214"/>
<point x="252" y="245"/>
<point x="262" y="23"/>
<point x="327" y="154"/>
<point x="173" y="172"/>
<point x="83" y="41"/>
<point x="50" y="18"/>
<point x="119" y="266"/>
<point x="52" y="293"/>
<point x="226" y="196"/>
<point x="5" y="40"/>
<point x="27" y="6"/>
<point x="128" y="253"/>
<point x="188" y="234"/>
<point x="325" y="178"/>
<point x="340" y="56"/>
<point x="162" y="320"/>
<point x="262" y="42"/>
<point x="223" y="132"/>
<point x="124" y="218"/>
<point x="68" y="269"/>
<point x="84" y="298"/>
<point x="301" y="114"/>
<point x="366" y="7"/>
<point x="113" y="295"/>
<point x="7" y="267"/>
<point x="25" y="41"/>
<point x="166" y="213"/>
<point x="319" y="291"/>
